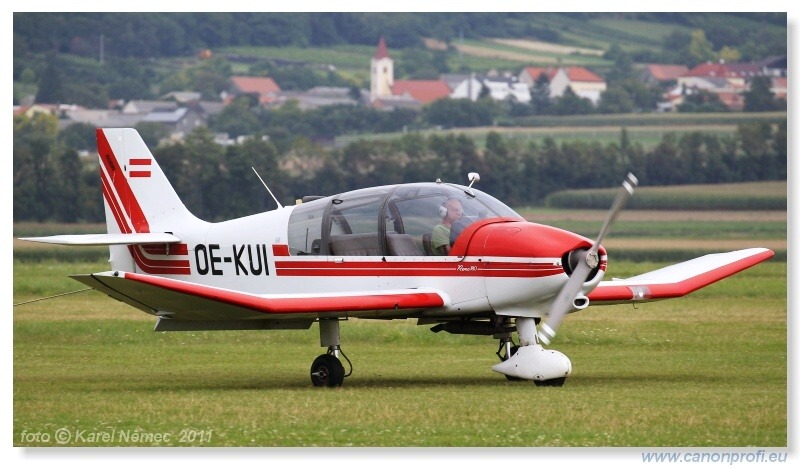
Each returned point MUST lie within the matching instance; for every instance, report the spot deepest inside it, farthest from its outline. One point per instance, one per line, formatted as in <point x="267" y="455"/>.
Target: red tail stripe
<point x="140" y="161"/>
<point x="140" y="174"/>
<point x="113" y="205"/>
<point x="120" y="183"/>
<point x="142" y="263"/>
<point x="150" y="266"/>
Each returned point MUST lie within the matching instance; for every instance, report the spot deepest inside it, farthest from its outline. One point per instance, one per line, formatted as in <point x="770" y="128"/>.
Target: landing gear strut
<point x="507" y="348"/>
<point x="327" y="369"/>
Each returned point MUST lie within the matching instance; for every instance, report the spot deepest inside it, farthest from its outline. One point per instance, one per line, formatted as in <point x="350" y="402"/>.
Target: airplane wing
<point x="107" y="239"/>
<point x="679" y="279"/>
<point x="186" y="301"/>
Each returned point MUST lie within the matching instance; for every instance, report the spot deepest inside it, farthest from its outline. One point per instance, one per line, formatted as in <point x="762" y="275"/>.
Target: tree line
<point x="145" y="35"/>
<point x="53" y="183"/>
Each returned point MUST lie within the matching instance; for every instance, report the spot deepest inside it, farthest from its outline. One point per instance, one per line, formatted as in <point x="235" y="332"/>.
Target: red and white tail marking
<point x="139" y="167"/>
<point x="139" y="199"/>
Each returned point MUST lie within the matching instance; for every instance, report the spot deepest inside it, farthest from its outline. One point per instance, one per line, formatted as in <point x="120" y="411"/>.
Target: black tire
<point x="514" y="349"/>
<point x="555" y="382"/>
<point x="328" y="371"/>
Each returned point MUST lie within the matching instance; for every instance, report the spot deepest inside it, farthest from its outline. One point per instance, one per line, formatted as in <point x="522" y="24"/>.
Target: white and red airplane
<point x="364" y="254"/>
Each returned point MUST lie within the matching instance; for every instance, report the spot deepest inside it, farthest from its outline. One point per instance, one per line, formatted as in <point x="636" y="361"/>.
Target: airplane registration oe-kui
<point x="449" y="256"/>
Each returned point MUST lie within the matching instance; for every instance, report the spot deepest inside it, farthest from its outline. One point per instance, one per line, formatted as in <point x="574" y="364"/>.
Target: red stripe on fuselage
<point x="521" y="269"/>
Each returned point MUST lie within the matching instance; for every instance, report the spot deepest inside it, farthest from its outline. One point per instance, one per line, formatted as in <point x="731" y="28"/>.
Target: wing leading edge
<point x="182" y="300"/>
<point x="679" y="279"/>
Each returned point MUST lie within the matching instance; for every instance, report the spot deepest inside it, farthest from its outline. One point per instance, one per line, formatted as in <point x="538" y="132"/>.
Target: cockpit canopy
<point x="385" y="221"/>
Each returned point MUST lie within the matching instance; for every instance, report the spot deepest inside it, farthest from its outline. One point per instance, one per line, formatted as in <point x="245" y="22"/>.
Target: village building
<point x="387" y="93"/>
<point x="264" y="87"/>
<point x="317" y="97"/>
<point x="469" y="87"/>
<point x="381" y="73"/>
<point x="583" y="82"/>
<point x="662" y="74"/>
<point x="507" y="88"/>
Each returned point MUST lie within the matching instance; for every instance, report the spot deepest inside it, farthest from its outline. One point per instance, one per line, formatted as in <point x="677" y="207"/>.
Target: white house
<point x="501" y="89"/>
<point x="583" y="82"/>
<point x="468" y="88"/>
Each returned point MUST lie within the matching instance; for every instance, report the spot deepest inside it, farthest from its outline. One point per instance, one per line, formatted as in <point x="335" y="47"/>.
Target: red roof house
<point x="264" y="87"/>
<point x="423" y="91"/>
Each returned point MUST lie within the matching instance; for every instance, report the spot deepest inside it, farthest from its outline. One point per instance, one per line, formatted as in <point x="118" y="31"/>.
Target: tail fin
<point x="139" y="199"/>
<point x="137" y="195"/>
<point x="143" y="212"/>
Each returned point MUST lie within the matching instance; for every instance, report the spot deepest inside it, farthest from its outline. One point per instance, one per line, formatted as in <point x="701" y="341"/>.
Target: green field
<point x="708" y="370"/>
<point x="647" y="130"/>
<point x="754" y="196"/>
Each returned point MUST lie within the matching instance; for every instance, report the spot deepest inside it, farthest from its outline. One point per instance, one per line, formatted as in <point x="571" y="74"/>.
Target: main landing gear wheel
<point x="510" y="349"/>
<point x="327" y="370"/>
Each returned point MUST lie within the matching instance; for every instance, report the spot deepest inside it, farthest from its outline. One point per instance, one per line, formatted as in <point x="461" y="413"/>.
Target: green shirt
<point x="440" y="236"/>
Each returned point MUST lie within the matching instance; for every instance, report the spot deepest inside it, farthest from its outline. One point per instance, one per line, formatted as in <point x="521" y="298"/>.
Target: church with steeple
<point x="381" y="73"/>
<point x="384" y="91"/>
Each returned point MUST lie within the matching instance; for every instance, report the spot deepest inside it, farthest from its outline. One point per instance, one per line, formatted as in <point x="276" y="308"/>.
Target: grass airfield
<point x="706" y="370"/>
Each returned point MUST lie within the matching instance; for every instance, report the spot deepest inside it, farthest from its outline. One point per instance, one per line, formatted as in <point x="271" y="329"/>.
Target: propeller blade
<point x="624" y="193"/>
<point x="563" y="302"/>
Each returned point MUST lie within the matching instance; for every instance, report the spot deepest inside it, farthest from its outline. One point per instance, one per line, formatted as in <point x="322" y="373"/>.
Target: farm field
<point x="664" y="374"/>
<point x="647" y="130"/>
<point x="647" y="136"/>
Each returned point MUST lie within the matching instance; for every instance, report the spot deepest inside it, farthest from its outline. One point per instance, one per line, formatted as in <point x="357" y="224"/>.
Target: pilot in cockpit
<point x="451" y="211"/>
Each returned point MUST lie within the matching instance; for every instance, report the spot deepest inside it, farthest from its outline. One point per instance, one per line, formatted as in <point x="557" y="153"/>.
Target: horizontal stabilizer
<point x="679" y="279"/>
<point x="107" y="239"/>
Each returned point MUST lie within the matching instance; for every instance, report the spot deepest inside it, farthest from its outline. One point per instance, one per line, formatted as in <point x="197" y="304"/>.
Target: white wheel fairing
<point x="533" y="362"/>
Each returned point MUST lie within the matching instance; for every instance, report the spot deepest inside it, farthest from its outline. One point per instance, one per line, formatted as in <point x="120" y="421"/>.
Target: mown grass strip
<point x="770" y="195"/>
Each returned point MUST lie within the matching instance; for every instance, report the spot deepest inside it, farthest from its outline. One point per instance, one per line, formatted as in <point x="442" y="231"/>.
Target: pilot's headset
<point x="443" y="207"/>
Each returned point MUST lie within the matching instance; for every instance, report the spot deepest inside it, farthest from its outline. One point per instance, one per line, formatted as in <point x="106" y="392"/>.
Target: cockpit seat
<point x="427" y="244"/>
<point x="401" y="245"/>
<point x="364" y="244"/>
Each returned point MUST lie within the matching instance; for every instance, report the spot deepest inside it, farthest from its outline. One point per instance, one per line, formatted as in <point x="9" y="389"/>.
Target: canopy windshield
<point x="388" y="220"/>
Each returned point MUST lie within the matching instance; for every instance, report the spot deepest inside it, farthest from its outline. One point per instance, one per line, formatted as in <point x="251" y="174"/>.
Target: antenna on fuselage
<point x="267" y="187"/>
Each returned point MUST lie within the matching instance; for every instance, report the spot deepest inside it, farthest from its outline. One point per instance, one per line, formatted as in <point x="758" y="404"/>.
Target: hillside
<point x="96" y="57"/>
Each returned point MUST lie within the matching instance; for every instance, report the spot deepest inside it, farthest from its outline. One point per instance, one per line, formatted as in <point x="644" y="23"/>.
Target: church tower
<point x="381" y="73"/>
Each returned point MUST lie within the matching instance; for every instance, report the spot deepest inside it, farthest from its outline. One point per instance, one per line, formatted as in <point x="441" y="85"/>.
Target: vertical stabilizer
<point x="137" y="196"/>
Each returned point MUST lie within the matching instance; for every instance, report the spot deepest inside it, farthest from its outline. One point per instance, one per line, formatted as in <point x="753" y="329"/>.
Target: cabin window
<point x="354" y="229"/>
<point x="305" y="228"/>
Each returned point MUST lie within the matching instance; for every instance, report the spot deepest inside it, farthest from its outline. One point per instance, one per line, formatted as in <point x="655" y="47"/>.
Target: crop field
<point x="708" y="370"/>
<point x="647" y="130"/>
